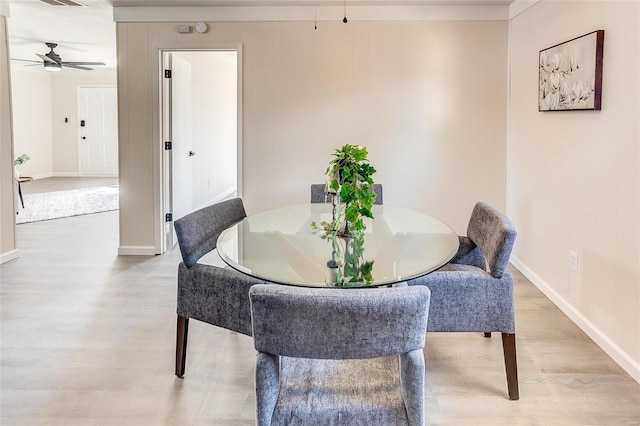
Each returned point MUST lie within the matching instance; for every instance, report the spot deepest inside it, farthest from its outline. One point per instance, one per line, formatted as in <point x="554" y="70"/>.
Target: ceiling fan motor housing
<point x="53" y="55"/>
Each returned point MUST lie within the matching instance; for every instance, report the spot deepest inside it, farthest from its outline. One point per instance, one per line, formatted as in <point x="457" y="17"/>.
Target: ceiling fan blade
<point x="78" y="67"/>
<point x="46" y="58"/>
<point x="26" y="60"/>
<point x="83" y="63"/>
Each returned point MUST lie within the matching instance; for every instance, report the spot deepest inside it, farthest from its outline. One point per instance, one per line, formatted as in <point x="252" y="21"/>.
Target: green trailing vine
<point x="350" y="181"/>
<point x="350" y="187"/>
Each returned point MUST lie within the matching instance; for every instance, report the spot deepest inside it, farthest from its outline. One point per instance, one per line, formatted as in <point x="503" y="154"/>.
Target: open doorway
<point x="71" y="149"/>
<point x="200" y="131"/>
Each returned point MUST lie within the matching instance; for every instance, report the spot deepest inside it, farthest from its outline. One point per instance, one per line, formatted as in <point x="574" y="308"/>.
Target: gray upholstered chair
<point x="336" y="356"/>
<point x="474" y="292"/>
<point x="218" y="296"/>
<point x="318" y="194"/>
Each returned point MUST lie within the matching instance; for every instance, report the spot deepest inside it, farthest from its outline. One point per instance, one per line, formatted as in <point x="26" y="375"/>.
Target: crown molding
<point x="307" y="13"/>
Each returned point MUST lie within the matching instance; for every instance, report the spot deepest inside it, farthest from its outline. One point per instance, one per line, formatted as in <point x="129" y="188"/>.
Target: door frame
<point x="79" y="130"/>
<point x="161" y="185"/>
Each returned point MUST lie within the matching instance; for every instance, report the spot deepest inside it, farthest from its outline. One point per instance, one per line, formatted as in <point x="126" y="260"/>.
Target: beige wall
<point x="32" y="133"/>
<point x="573" y="177"/>
<point x="8" y="248"/>
<point x="427" y="98"/>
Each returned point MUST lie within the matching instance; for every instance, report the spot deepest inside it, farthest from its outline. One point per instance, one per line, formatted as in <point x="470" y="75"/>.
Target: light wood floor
<point x="88" y="338"/>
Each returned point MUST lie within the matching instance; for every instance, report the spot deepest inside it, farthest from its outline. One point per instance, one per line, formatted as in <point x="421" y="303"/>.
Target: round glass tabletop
<point x="281" y="246"/>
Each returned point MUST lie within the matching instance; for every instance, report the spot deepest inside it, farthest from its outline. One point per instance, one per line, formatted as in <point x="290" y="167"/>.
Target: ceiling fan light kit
<point x="52" y="66"/>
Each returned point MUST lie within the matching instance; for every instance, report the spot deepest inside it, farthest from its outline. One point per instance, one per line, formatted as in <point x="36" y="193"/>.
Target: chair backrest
<point x="318" y="194"/>
<point x="198" y="232"/>
<point x="494" y="233"/>
<point x="325" y="323"/>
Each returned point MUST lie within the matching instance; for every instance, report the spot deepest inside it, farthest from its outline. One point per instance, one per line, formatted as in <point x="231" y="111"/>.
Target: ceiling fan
<point x="53" y="62"/>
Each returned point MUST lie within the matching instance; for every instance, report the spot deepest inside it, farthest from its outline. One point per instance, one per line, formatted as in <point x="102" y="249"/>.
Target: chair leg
<point x="20" y="194"/>
<point x="181" y="345"/>
<point x="511" y="365"/>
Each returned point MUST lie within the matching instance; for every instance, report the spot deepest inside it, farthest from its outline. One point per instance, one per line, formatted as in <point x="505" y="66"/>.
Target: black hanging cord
<point x="345" y="12"/>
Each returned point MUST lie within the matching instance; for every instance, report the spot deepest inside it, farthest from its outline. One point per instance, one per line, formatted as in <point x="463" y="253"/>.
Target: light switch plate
<point x="573" y="261"/>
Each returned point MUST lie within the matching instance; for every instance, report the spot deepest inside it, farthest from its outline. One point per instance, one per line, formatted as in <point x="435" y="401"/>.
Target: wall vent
<point x="62" y="2"/>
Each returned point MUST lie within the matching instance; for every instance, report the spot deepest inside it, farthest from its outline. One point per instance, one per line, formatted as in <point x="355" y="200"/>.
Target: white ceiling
<point x="89" y="33"/>
<point x="83" y="34"/>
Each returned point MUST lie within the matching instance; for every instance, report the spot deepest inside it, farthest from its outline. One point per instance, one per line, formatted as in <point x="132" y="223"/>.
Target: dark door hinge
<point x="167" y="146"/>
<point x="168" y="217"/>
<point x="167" y="73"/>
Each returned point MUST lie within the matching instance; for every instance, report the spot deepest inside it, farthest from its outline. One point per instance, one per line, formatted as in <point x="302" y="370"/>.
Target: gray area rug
<point x="75" y="202"/>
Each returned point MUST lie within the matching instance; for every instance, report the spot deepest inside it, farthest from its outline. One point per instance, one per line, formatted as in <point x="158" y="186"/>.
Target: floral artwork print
<point x="570" y="74"/>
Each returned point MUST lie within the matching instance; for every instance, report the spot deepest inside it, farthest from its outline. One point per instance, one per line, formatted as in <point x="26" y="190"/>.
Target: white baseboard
<point x="42" y="176"/>
<point x="136" y="251"/>
<point x="77" y="174"/>
<point x="65" y="174"/>
<point x="623" y="359"/>
<point x="10" y="255"/>
<point x="54" y="174"/>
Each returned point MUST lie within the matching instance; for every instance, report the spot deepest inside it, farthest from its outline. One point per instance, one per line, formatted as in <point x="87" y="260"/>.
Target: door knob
<point x="84" y="137"/>
<point x="191" y="153"/>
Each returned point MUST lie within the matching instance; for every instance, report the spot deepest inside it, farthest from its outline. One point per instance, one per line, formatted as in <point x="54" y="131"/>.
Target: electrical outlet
<point x="183" y="29"/>
<point x="573" y="261"/>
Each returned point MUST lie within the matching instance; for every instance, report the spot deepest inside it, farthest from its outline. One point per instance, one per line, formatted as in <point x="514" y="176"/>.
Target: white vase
<point x="16" y="174"/>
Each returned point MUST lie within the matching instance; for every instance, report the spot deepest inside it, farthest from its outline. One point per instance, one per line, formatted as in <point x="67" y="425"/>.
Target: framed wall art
<point x="570" y="74"/>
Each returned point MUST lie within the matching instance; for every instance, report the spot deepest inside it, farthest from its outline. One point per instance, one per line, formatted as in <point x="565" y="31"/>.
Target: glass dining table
<point x="282" y="246"/>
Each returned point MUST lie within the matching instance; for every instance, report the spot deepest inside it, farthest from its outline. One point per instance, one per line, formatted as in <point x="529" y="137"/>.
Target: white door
<point x="98" y="131"/>
<point x="181" y="137"/>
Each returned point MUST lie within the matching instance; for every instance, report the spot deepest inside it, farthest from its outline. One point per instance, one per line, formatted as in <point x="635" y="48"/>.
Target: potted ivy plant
<point x="350" y="186"/>
<point x="18" y="162"/>
<point x="350" y="182"/>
